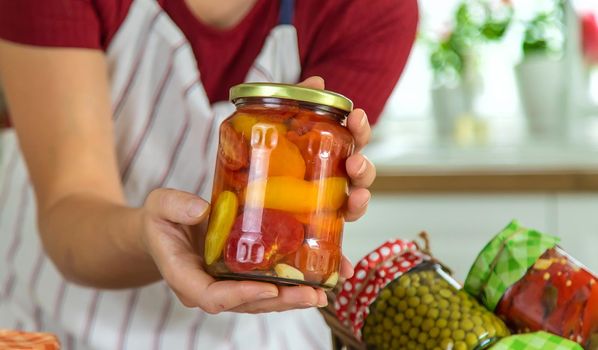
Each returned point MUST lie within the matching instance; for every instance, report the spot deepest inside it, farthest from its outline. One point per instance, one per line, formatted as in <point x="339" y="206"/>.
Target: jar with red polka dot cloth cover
<point x="400" y="297"/>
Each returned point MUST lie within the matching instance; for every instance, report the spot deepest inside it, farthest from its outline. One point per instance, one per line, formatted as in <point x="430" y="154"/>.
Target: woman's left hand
<point x="361" y="171"/>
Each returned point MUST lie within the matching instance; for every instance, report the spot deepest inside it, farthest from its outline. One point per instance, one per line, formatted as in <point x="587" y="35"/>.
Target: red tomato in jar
<point x="261" y="237"/>
<point x="235" y="180"/>
<point x="302" y="122"/>
<point x="324" y="153"/>
<point x="233" y="151"/>
<point x="278" y="114"/>
<point x="228" y="180"/>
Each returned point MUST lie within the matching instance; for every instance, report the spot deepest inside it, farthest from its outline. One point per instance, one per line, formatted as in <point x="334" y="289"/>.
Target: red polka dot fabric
<point x="372" y="273"/>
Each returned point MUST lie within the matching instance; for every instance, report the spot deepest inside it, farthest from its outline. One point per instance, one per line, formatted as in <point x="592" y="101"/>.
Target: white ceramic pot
<point x="543" y="94"/>
<point x="449" y="103"/>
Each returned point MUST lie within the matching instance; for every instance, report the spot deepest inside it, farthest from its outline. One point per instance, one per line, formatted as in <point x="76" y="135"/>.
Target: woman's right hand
<point x="172" y="222"/>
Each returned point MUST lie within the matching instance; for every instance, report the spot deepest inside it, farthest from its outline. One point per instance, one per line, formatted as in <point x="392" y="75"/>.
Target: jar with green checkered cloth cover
<point x="530" y="282"/>
<point x="536" y="341"/>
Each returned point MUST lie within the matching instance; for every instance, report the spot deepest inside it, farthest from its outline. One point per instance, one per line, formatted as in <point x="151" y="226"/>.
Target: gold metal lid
<point x="291" y="92"/>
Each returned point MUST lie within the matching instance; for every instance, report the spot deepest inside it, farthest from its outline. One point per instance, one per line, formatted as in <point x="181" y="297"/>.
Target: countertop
<point x="499" y="156"/>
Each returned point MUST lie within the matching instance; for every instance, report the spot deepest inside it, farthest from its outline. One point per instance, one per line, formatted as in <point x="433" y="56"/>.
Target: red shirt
<point x="358" y="46"/>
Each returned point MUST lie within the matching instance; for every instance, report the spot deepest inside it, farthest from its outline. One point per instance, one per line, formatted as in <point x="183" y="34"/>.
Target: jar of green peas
<point x="402" y="298"/>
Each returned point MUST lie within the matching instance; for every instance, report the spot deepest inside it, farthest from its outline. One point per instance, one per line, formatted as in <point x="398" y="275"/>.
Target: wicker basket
<point x="342" y="337"/>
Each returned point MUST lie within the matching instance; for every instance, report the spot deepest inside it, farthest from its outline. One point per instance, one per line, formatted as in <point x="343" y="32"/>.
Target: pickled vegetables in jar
<point x="280" y="186"/>
<point x="401" y="298"/>
<point x="530" y="282"/>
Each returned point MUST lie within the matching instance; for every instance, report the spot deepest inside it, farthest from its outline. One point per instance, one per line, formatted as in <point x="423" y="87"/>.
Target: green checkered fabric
<point x="504" y="261"/>
<point x="535" y="341"/>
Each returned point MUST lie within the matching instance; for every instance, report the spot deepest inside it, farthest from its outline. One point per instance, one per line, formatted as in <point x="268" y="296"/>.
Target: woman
<point x="115" y="104"/>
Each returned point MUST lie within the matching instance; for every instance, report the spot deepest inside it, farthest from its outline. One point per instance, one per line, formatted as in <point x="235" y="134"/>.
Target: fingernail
<point x="197" y="208"/>
<point x="362" y="168"/>
<point x="324" y="302"/>
<point x="364" y="120"/>
<point x="267" y="295"/>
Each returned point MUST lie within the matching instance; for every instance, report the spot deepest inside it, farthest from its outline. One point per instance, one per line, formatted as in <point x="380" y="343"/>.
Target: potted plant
<point x="454" y="56"/>
<point x="541" y="74"/>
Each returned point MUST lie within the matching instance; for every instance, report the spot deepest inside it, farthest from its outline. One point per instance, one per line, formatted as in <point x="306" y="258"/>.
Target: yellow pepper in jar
<point x="298" y="196"/>
<point x="221" y="222"/>
<point x="243" y="124"/>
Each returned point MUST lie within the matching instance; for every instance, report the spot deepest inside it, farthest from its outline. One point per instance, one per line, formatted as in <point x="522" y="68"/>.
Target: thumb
<point x="314" y="82"/>
<point x="177" y="206"/>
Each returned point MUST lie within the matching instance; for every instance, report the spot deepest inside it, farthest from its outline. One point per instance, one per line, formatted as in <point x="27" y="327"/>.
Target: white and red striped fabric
<point x="166" y="142"/>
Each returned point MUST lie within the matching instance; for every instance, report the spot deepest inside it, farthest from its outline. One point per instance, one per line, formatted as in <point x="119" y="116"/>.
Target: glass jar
<point x="280" y="186"/>
<point x="537" y="286"/>
<point x="402" y="298"/>
<point x="426" y="309"/>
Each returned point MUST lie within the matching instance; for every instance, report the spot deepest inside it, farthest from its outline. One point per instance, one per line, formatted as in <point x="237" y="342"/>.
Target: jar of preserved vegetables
<point x="402" y="298"/>
<point x="531" y="283"/>
<point x="280" y="186"/>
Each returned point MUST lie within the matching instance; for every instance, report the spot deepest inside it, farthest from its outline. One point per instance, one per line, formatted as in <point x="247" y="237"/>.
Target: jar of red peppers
<point x="530" y="282"/>
<point x="402" y="298"/>
<point x="280" y="186"/>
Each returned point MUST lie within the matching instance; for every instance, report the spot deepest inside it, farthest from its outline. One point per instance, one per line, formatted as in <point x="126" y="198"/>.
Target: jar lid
<point x="504" y="261"/>
<point x="536" y="341"/>
<point x="291" y="92"/>
<point x="372" y="273"/>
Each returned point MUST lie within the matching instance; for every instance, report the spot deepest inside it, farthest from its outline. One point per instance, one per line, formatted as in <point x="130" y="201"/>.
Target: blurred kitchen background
<point x="495" y="118"/>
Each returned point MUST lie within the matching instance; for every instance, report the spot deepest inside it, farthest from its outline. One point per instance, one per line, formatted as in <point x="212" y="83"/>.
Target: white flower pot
<point x="543" y="93"/>
<point x="449" y="103"/>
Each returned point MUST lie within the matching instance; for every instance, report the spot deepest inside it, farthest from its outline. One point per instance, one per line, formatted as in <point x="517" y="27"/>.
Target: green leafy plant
<point x="543" y="33"/>
<point x="475" y="22"/>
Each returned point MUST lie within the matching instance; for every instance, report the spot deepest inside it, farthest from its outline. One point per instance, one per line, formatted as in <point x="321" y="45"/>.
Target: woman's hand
<point x="172" y="221"/>
<point x="361" y="171"/>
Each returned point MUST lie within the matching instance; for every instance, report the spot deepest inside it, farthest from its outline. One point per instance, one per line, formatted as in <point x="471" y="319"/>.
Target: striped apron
<point x="165" y="131"/>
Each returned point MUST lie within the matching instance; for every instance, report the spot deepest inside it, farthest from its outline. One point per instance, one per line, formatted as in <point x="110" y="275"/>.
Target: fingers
<point x="289" y="298"/>
<point x="182" y="271"/>
<point x="358" y="124"/>
<point x="314" y="82"/>
<point x="228" y="295"/>
<point x="346" y="268"/>
<point x="177" y="206"/>
<point x="357" y="204"/>
<point x="361" y="171"/>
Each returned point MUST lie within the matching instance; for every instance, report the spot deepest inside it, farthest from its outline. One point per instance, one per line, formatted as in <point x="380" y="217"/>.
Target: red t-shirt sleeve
<point x="362" y="50"/>
<point x="62" y="23"/>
